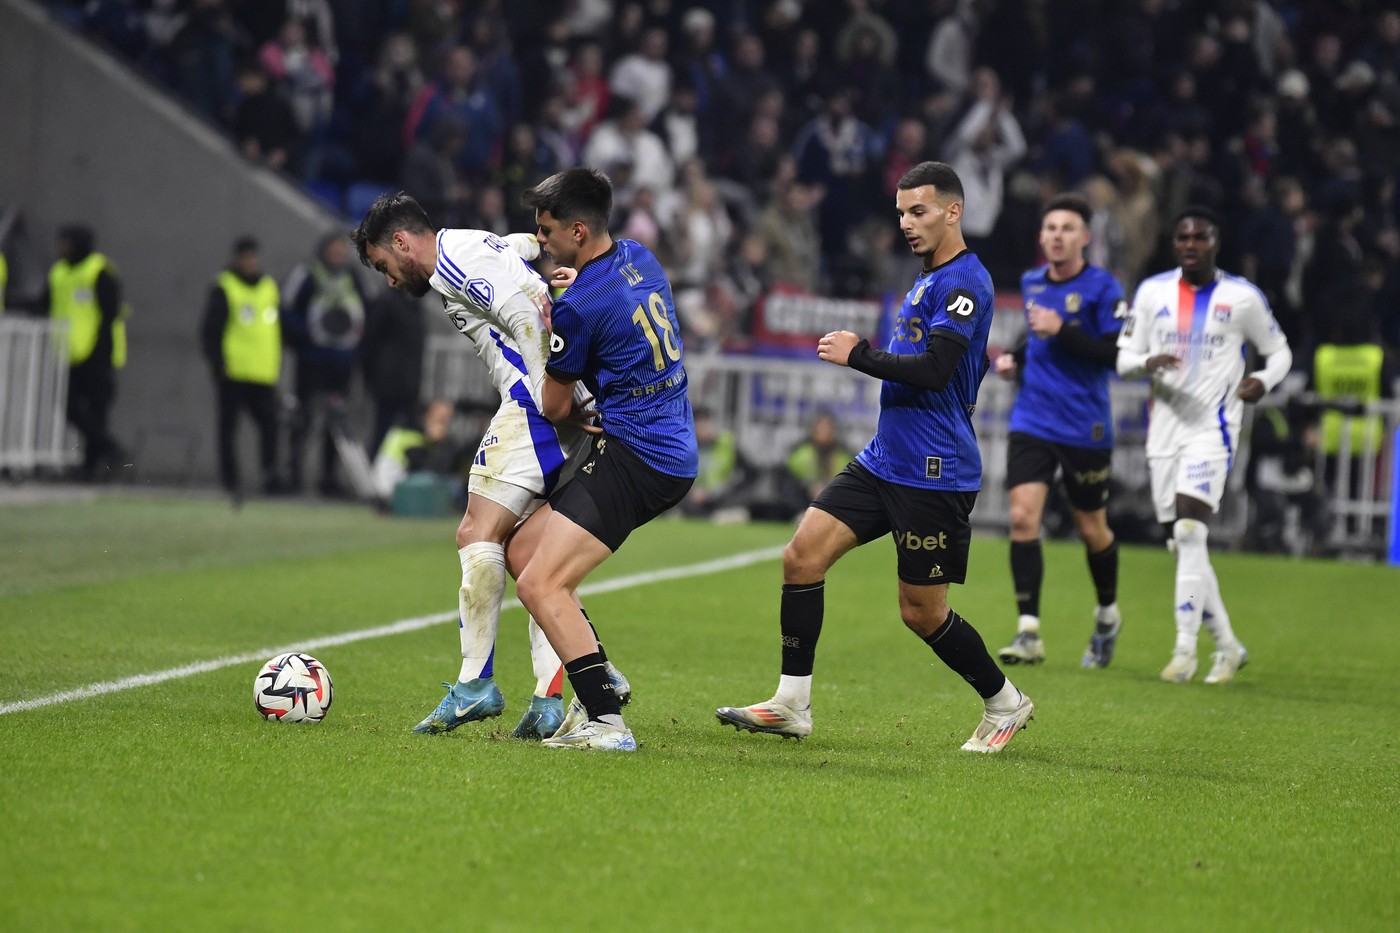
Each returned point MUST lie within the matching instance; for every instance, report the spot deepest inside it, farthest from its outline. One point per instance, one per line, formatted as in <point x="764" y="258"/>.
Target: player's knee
<point x="1093" y="530"/>
<point x="801" y="565"/>
<point x="1188" y="532"/>
<point x="529" y="586"/>
<point x="1025" y="521"/>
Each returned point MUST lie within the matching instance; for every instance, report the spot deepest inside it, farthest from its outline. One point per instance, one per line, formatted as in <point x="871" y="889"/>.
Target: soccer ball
<point x="293" y="687"/>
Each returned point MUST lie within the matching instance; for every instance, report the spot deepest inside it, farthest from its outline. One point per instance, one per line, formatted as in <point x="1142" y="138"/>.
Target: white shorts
<point x="522" y="458"/>
<point x="1198" y="470"/>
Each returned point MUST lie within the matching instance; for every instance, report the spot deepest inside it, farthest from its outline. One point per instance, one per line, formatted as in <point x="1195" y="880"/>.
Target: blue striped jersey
<point x="925" y="437"/>
<point x="615" y="329"/>
<point x="1064" y="398"/>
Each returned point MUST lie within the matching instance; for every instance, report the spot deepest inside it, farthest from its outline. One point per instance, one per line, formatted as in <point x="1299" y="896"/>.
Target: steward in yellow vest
<point x="242" y="340"/>
<point x="1349" y="371"/>
<point x="85" y="292"/>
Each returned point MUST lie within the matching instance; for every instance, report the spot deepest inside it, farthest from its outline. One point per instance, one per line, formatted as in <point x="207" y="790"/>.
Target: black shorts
<point x="931" y="527"/>
<point x="615" y="492"/>
<point x="1086" y="470"/>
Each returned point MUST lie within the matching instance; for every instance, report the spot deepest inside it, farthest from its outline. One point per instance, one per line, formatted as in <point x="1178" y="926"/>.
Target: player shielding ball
<point x="1187" y="330"/>
<point x="496" y="300"/>
<point x="916" y="481"/>
<point x="1062" y="421"/>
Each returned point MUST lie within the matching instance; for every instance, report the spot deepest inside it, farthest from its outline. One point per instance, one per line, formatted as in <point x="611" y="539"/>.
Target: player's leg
<point x="1030" y="469"/>
<point x="614" y="493"/>
<point x="489" y="517"/>
<point x="933" y="536"/>
<point x="1027" y="506"/>
<point x="1230" y="655"/>
<point x="1162" y="472"/>
<point x="847" y="513"/>
<point x="1087" y="472"/>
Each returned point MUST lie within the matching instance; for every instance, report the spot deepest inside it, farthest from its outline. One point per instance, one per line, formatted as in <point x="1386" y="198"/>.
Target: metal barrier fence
<point x="33" y="394"/>
<point x="769" y="403"/>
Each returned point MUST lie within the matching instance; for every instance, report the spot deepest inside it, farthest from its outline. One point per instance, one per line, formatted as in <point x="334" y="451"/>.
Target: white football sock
<point x="1216" y="619"/>
<point x="795" y="692"/>
<point x="549" y="671"/>
<point x="1028" y="624"/>
<point x="479" y="604"/>
<point x="1005" y="699"/>
<point x="1193" y="574"/>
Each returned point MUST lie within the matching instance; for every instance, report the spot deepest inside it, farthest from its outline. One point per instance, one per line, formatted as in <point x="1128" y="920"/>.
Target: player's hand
<point x="836" y="347"/>
<point x="1044" y="322"/>
<point x="1161" y="363"/>
<point x="1006" y="366"/>
<point x="584" y="416"/>
<point x="1251" y="389"/>
<point x="562" y="277"/>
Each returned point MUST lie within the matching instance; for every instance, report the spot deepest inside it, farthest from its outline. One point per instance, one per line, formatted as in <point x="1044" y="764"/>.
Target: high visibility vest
<point x="336" y="315"/>
<point x="253" y="335"/>
<point x="1353" y="370"/>
<point x="73" y="298"/>
<point x="397" y="443"/>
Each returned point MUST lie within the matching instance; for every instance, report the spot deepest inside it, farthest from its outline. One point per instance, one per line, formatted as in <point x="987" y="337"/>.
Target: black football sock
<point x="1103" y="567"/>
<point x="958" y="645"/>
<point x="801" y="619"/>
<point x="595" y="634"/>
<point x="591" y="685"/>
<point x="1027" y="571"/>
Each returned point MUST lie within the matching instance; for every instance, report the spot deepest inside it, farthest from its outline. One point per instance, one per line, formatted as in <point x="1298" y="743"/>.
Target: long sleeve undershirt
<point x="931" y="369"/>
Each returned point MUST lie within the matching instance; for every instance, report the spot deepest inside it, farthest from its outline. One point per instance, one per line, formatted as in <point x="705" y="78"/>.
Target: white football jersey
<point x="497" y="300"/>
<point x="1206" y="328"/>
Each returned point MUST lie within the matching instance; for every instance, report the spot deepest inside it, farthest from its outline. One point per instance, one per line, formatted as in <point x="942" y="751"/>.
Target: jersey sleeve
<point x="1111" y="310"/>
<point x="1133" y="338"/>
<point x="954" y="310"/>
<point x="1259" y="325"/>
<point x="568" y="342"/>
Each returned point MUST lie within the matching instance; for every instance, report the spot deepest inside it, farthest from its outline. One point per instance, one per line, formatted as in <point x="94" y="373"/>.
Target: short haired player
<point x="1186" y="330"/>
<point x="1062" y="422"/>
<point x="916" y="481"/>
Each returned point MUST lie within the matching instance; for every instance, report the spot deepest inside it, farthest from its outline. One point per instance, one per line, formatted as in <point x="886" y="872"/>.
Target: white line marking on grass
<point x="746" y="559"/>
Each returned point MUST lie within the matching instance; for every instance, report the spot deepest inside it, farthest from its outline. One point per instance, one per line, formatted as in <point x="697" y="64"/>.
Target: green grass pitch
<point x="1267" y="804"/>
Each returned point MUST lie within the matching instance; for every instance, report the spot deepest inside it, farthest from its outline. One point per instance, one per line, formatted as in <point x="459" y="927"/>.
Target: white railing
<point x="1360" y="477"/>
<point x="453" y="371"/>
<point x="33" y="394"/>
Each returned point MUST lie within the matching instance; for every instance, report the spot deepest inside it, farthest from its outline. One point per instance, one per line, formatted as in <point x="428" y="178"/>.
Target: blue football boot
<point x="542" y="719"/>
<point x="465" y="702"/>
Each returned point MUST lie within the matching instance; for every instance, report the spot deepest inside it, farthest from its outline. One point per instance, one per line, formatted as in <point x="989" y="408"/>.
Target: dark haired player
<point x="916" y="481"/>
<point x="1187" y="331"/>
<point x="615" y="331"/>
<point x="1062" y="421"/>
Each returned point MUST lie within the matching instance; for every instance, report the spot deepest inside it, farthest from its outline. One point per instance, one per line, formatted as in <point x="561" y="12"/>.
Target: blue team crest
<point x="1073" y="301"/>
<point x="1221" y="313"/>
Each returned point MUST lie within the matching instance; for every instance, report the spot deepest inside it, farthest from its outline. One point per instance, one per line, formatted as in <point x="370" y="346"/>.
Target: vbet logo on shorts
<point x="916" y="542"/>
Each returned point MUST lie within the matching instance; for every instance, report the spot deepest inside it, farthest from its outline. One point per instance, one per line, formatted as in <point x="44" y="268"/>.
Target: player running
<point x="1062" y="420"/>
<point x="1187" y="330"/>
<point x="501" y="304"/>
<point x="917" y="479"/>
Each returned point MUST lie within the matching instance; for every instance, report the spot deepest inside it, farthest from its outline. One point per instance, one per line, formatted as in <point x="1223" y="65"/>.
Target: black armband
<point x="931" y="369"/>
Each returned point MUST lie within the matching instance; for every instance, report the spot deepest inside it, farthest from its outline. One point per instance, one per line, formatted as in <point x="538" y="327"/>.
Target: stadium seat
<point x="328" y="193"/>
<point x="360" y="195"/>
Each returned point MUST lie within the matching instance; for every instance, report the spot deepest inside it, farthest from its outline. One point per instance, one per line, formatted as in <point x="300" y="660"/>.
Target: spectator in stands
<point x="625" y="139"/>
<point x="700" y="64"/>
<point x="119" y="23"/>
<point x="396" y="333"/>
<point x="746" y="81"/>
<point x="789" y="232"/>
<point x="1334" y="292"/>
<point x="1270" y="238"/>
<point x="203" y="53"/>
<point x="324" y="321"/>
<point x="866" y="48"/>
<point x="304" y="75"/>
<point x="264" y="125"/>
<point x="430" y="172"/>
<point x="242" y="341"/>
<point x="755" y="159"/>
<point x="462" y="93"/>
<point x="1136" y="213"/>
<point x="838" y="155"/>
<point x="1283" y="446"/>
<point x="679" y="127"/>
<point x="527" y="160"/>
<point x="644" y="76"/>
<point x="588" y="95"/>
<point x="382" y="99"/>
<point x="910" y="147"/>
<point x="949" y="56"/>
<point x="496" y="63"/>
<point x="985" y="144"/>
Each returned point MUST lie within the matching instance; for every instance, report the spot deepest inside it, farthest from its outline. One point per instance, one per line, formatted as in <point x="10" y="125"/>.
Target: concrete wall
<point x="83" y="139"/>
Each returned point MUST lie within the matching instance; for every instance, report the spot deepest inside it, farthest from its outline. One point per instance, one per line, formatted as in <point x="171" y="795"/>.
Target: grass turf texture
<point x="1129" y="803"/>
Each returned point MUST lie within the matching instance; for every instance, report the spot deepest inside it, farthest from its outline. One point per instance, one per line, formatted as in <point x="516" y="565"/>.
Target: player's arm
<point x="1109" y="312"/>
<point x="1133" y="361"/>
<point x="1263" y="331"/>
<point x="568" y="355"/>
<point x="931" y="369"/>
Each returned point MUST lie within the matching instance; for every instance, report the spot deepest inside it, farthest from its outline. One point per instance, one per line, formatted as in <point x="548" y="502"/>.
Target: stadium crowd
<point x="756" y="142"/>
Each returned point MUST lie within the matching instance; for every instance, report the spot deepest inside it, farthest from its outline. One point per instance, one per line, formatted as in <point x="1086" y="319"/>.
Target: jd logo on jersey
<point x="557" y="344"/>
<point x="961" y="304"/>
<point x="914" y="542"/>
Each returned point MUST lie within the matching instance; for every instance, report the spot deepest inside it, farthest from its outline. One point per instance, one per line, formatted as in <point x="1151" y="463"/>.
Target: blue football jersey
<point x="615" y="328"/>
<point x="1064" y="398"/>
<point x="925" y="437"/>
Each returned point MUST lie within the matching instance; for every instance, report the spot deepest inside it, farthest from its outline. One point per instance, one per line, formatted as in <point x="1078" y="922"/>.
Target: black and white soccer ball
<point x="293" y="687"/>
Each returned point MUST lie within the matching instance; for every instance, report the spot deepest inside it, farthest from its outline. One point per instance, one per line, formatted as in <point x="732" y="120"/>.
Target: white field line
<point x="746" y="559"/>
